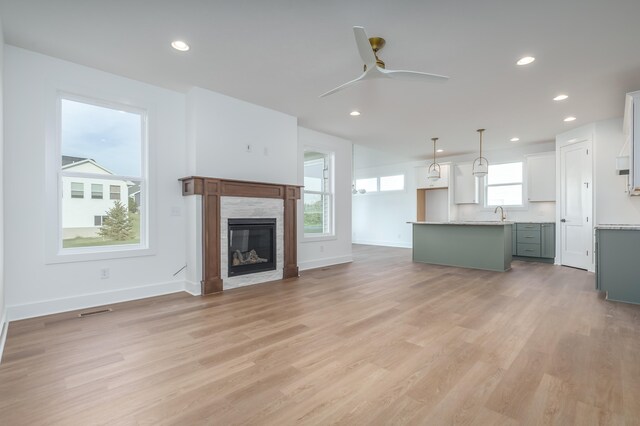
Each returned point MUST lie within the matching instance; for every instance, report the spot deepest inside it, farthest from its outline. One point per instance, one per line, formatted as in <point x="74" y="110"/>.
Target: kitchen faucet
<point x="503" y="216"/>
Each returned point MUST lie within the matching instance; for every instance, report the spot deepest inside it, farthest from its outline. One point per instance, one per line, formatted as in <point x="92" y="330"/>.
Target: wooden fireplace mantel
<point x="211" y="190"/>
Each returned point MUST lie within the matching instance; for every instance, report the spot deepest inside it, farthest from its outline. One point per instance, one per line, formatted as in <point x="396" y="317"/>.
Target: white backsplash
<point x="536" y="212"/>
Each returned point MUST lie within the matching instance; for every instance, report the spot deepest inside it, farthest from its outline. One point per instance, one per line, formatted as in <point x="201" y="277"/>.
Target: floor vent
<point x="91" y="313"/>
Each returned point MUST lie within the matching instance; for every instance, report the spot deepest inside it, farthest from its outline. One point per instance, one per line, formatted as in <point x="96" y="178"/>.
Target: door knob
<point x="563" y="220"/>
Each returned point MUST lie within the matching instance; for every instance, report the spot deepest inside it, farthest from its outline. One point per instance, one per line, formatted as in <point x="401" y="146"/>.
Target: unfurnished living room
<point x="319" y="212"/>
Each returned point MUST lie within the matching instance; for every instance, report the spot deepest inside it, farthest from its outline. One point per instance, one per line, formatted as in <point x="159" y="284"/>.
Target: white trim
<point x="327" y="261"/>
<point x="54" y="306"/>
<point x="398" y="244"/>
<point x="4" y="328"/>
<point x="193" y="288"/>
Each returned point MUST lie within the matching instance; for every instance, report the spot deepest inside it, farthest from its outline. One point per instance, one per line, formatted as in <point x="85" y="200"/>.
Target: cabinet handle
<point x="528" y="237"/>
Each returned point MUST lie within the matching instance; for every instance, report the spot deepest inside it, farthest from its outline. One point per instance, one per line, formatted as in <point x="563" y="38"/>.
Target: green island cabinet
<point x="617" y="259"/>
<point x="534" y="241"/>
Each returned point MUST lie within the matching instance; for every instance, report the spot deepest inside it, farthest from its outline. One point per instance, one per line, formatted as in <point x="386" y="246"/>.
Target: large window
<point x="504" y="185"/>
<point x="101" y="146"/>
<point x="318" y="193"/>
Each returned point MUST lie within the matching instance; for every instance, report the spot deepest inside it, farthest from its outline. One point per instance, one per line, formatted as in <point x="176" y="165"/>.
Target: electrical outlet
<point x="104" y="273"/>
<point x="175" y="211"/>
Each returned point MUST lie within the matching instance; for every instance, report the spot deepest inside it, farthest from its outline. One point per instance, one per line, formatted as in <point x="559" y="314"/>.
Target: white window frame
<point x="111" y="193"/>
<point x="54" y="252"/>
<point x="386" y="191"/>
<point x="101" y="191"/>
<point x="72" y="190"/>
<point x="485" y="193"/>
<point x="369" y="178"/>
<point x="330" y="194"/>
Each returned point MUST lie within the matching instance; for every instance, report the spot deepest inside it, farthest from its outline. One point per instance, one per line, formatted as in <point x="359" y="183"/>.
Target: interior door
<point x="576" y="223"/>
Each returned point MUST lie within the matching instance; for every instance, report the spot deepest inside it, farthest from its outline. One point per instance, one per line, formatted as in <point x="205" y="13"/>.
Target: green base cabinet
<point x="617" y="260"/>
<point x="534" y="241"/>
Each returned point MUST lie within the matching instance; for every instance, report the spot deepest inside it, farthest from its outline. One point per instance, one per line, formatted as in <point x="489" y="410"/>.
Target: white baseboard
<point x="4" y="327"/>
<point x="400" y="244"/>
<point x="194" y="289"/>
<point x="54" y="306"/>
<point x="327" y="261"/>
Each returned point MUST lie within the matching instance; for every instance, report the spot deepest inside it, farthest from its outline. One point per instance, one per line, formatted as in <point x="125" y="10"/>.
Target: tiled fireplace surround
<point x="223" y="199"/>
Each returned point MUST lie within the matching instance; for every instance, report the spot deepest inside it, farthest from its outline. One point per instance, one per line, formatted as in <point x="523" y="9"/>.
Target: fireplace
<point x="252" y="246"/>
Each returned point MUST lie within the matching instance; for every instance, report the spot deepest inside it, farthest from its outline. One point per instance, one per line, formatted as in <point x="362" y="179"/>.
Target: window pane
<point x="101" y="222"/>
<point x="114" y="192"/>
<point x="77" y="190"/>
<point x="96" y="191"/>
<point x="505" y="173"/>
<point x="507" y="195"/>
<point x="101" y="140"/>
<point x="369" y="184"/>
<point x="316" y="171"/>
<point x="392" y="183"/>
<point x="317" y="208"/>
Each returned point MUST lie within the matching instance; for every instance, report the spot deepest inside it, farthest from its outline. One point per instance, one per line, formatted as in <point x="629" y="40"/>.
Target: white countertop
<point x="466" y="223"/>
<point x="621" y="226"/>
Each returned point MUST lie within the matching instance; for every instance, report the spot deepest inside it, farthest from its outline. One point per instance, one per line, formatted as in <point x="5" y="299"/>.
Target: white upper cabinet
<point x="465" y="185"/>
<point x="541" y="181"/>
<point x="423" y="182"/>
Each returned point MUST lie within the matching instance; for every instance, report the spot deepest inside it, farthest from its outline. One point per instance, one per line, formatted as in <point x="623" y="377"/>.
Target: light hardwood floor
<point x="378" y="341"/>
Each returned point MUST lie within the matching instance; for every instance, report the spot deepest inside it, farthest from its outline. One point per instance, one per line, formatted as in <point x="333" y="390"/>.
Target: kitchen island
<point x="478" y="245"/>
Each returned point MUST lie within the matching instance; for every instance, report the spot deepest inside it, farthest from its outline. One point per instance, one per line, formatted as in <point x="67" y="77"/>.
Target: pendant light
<point x="433" y="172"/>
<point x="480" y="164"/>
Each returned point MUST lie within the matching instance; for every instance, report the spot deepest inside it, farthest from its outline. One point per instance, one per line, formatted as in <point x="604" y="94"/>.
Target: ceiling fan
<point x="375" y="68"/>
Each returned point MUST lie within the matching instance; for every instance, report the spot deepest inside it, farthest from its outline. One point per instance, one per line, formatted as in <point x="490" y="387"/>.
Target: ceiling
<point x="282" y="54"/>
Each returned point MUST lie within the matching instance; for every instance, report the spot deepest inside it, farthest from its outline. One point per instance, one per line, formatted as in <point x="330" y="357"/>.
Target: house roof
<point x="69" y="162"/>
<point x="68" y="159"/>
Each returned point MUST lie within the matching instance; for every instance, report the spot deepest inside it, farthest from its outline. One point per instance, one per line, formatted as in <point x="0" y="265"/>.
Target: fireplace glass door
<point x="252" y="246"/>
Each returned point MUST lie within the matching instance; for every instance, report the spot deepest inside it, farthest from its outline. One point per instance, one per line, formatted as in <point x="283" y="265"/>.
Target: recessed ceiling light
<point x="570" y="118"/>
<point x="439" y="150"/>
<point x="560" y="98"/>
<point x="180" y="45"/>
<point x="526" y="60"/>
<point x="354" y="113"/>
<point x="514" y="139"/>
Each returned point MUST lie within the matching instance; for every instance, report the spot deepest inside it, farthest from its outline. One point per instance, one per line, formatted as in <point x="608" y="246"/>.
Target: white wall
<point x="313" y="252"/>
<point x="612" y="202"/>
<point x="221" y="128"/>
<point x="34" y="287"/>
<point x="380" y="218"/>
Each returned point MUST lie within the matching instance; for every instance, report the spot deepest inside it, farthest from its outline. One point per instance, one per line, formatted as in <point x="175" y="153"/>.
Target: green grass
<point x="99" y="241"/>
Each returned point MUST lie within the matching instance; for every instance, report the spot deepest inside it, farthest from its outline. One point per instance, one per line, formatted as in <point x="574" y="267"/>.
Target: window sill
<point x="71" y="255"/>
<point x="306" y="239"/>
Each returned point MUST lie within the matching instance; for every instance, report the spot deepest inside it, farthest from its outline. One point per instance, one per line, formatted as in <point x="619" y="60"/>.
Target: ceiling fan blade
<point x="364" y="47"/>
<point x="413" y="75"/>
<point x="343" y="86"/>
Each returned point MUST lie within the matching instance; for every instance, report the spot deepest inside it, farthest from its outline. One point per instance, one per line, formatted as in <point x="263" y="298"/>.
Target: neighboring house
<point x="85" y="201"/>
<point x="134" y="192"/>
